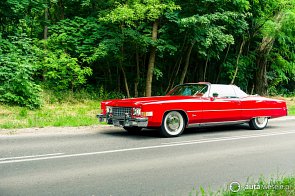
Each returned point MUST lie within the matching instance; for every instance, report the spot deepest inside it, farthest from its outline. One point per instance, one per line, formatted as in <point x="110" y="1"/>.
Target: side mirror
<point x="215" y="95"/>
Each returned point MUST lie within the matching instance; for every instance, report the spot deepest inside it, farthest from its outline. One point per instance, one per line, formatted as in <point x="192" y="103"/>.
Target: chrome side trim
<point x="227" y="110"/>
<point x="190" y="111"/>
<point x="208" y="124"/>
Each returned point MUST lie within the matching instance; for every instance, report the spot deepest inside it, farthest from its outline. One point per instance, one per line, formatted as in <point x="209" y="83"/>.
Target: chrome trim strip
<point x="263" y="109"/>
<point x="221" y="110"/>
<point x="195" y="111"/>
<point x="207" y="124"/>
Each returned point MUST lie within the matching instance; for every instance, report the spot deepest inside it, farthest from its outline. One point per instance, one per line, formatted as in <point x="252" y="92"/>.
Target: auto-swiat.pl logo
<point x="235" y="187"/>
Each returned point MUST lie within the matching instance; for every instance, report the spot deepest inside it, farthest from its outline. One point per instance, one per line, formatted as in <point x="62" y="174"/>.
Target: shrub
<point x="62" y="72"/>
<point x="17" y="66"/>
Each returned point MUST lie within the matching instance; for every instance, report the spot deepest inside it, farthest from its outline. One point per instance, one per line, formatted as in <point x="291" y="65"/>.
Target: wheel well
<point x="183" y="113"/>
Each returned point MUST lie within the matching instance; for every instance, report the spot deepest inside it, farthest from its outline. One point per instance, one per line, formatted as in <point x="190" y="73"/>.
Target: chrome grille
<point x="119" y="112"/>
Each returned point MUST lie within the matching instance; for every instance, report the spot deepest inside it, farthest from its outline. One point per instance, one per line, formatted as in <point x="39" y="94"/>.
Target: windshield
<point x="189" y="89"/>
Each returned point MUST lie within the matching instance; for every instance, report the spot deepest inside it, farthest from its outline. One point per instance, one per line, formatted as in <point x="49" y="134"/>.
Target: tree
<point x="209" y="34"/>
<point x="136" y="12"/>
<point x="145" y="47"/>
<point x="272" y="28"/>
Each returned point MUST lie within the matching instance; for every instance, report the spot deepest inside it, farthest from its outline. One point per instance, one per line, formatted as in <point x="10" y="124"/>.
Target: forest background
<point x="59" y="58"/>
<point x="129" y="48"/>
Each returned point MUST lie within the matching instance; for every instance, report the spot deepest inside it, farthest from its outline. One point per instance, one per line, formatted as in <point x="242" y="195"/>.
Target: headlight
<point x="136" y="111"/>
<point x="109" y="109"/>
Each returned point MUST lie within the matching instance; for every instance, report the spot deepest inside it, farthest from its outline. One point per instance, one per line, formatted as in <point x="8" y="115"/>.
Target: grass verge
<point x="57" y="114"/>
<point x="291" y="106"/>
<point x="73" y="111"/>
<point x="284" y="186"/>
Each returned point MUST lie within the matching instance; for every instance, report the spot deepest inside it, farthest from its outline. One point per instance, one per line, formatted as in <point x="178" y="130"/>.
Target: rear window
<point x="223" y="91"/>
<point x="239" y="92"/>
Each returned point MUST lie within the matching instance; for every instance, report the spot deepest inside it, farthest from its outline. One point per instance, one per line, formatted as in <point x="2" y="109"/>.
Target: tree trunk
<point x="118" y="79"/>
<point x="137" y="75"/>
<point x="220" y="65"/>
<point x="123" y="71"/>
<point x="62" y="9"/>
<point x="110" y="81"/>
<point x="200" y="71"/>
<point x="125" y="82"/>
<point x="252" y="89"/>
<point x="187" y="61"/>
<point x="262" y="56"/>
<point x="176" y="67"/>
<point x="151" y="65"/>
<point x="237" y="63"/>
<point x="46" y="27"/>
<point x="172" y="78"/>
<point x="205" y="69"/>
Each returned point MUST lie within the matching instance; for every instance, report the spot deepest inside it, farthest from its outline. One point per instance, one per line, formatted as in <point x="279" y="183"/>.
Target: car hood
<point x="135" y="102"/>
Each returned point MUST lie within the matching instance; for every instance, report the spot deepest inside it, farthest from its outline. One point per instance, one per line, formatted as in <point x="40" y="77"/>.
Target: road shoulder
<point x="55" y="130"/>
<point x="82" y="129"/>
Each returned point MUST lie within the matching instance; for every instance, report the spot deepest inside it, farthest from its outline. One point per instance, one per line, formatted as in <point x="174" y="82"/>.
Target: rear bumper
<point x="123" y="122"/>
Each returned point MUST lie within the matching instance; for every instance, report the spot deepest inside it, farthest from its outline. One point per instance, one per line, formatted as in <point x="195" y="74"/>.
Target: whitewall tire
<point x="258" y="123"/>
<point x="173" y="124"/>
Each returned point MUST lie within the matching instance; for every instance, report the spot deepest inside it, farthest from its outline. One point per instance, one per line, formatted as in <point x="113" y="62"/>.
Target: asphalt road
<point x="111" y="162"/>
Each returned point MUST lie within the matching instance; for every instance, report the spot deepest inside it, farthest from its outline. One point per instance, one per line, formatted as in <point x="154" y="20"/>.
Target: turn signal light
<point x="147" y="114"/>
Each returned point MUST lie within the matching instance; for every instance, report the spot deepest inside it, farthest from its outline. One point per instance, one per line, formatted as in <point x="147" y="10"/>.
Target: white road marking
<point x="285" y="118"/>
<point x="31" y="156"/>
<point x="230" y="138"/>
<point x="149" y="147"/>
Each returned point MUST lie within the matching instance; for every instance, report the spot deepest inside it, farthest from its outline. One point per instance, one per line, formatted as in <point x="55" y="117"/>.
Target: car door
<point x="225" y="107"/>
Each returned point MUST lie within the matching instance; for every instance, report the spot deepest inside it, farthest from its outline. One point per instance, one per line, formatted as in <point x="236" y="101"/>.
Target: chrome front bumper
<point x="123" y="122"/>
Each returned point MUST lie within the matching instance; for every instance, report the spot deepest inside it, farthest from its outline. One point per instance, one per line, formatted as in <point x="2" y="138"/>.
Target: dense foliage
<point x="17" y="67"/>
<point x="144" y="47"/>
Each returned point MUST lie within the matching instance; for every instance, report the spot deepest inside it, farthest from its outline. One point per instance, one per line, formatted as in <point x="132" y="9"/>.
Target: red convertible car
<point x="192" y="105"/>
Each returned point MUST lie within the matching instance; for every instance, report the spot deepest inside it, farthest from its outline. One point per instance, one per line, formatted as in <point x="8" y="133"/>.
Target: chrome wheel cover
<point x="261" y="121"/>
<point x="173" y="123"/>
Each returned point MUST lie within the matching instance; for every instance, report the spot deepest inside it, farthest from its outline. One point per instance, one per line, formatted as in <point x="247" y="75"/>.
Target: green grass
<point x="284" y="186"/>
<point x="66" y="109"/>
<point x="81" y="113"/>
<point x="291" y="106"/>
<point x="291" y="110"/>
<point x="273" y="187"/>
